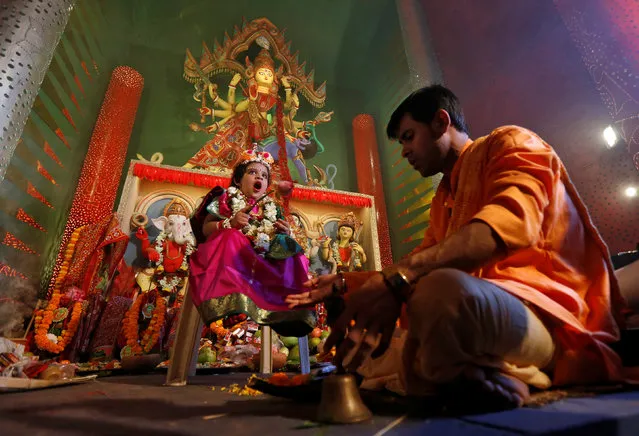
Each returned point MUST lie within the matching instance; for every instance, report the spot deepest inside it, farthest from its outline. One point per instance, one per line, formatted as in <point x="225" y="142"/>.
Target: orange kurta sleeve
<point x="519" y="180"/>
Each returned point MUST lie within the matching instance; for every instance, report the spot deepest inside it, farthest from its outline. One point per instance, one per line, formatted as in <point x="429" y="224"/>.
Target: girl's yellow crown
<point x="255" y="155"/>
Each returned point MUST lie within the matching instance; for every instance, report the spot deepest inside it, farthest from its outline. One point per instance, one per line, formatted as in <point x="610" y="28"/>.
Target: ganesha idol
<point x="171" y="249"/>
<point x="155" y="308"/>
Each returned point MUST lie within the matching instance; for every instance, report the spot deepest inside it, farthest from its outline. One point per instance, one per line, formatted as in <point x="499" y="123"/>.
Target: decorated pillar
<point x="369" y="178"/>
<point x="29" y="34"/>
<point x="102" y="169"/>
<point x="605" y="33"/>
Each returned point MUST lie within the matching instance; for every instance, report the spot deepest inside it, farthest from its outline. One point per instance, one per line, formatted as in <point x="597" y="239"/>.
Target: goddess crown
<point x="264" y="60"/>
<point x="349" y="220"/>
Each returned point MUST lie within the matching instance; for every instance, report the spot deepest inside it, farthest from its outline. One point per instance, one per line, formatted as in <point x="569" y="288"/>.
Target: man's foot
<point x="484" y="390"/>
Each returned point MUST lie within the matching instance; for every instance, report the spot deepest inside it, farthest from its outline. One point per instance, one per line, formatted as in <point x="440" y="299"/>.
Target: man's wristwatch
<point x="398" y="282"/>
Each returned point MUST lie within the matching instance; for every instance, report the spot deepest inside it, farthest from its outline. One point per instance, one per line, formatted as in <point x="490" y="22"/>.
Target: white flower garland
<point x="175" y="280"/>
<point x="261" y="233"/>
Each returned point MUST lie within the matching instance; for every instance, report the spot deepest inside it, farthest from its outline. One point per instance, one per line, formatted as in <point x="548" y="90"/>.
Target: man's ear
<point x="443" y="119"/>
<point x="441" y="122"/>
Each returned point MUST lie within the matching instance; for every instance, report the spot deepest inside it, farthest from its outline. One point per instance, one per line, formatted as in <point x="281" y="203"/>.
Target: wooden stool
<point x="183" y="356"/>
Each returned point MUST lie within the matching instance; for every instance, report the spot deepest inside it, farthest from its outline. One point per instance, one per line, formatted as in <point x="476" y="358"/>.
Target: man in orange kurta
<point x="512" y="285"/>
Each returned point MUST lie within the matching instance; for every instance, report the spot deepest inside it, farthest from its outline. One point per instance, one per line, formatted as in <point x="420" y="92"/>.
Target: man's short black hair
<point x="422" y="106"/>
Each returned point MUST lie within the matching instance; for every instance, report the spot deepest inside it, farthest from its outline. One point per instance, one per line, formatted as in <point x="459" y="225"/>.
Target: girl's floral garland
<point x="171" y="284"/>
<point x="259" y="230"/>
<point x="44" y="340"/>
<point x="151" y="334"/>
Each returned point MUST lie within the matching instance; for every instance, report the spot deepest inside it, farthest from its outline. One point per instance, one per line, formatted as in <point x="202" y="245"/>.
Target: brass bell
<point x="341" y="402"/>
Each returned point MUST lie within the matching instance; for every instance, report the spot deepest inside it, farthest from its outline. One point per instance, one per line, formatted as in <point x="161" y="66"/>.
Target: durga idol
<point x="261" y="115"/>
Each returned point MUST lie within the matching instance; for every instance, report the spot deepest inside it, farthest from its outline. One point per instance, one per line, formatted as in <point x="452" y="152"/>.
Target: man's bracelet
<point x="397" y="281"/>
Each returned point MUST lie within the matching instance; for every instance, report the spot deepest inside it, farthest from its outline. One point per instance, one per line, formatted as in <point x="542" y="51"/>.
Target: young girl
<point x="246" y="261"/>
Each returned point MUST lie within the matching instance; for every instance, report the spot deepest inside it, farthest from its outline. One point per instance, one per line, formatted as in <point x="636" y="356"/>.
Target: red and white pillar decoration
<point x="102" y="169"/>
<point x="369" y="178"/>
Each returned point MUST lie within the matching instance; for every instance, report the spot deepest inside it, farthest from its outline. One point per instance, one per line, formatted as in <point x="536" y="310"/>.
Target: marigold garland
<point x="151" y="334"/>
<point x="217" y="329"/>
<point x="44" y="317"/>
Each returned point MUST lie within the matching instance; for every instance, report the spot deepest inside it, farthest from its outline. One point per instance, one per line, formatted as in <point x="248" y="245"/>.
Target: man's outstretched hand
<point x="317" y="290"/>
<point x="374" y="310"/>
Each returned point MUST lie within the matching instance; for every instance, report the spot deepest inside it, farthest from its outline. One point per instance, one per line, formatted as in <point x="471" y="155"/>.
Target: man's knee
<point x="443" y="287"/>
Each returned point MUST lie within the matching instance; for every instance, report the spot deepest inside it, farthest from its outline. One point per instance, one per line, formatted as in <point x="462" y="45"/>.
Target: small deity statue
<point x="160" y="286"/>
<point x="172" y="247"/>
<point x="346" y="254"/>
<point x="262" y="116"/>
<point x="317" y="264"/>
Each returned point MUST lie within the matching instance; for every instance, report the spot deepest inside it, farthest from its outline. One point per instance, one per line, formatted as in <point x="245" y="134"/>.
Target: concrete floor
<point x="140" y="405"/>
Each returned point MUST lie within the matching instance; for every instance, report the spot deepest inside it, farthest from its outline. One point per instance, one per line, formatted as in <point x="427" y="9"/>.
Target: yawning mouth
<point x="257" y="185"/>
